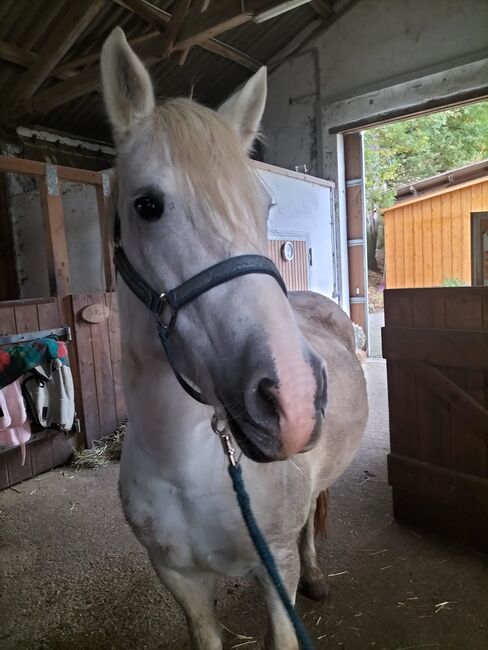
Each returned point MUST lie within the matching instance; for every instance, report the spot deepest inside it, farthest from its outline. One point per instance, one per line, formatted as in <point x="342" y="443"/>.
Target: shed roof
<point x="49" y="51"/>
<point x="448" y="179"/>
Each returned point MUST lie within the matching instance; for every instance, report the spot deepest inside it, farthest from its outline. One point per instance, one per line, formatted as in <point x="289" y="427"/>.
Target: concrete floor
<point x="72" y="575"/>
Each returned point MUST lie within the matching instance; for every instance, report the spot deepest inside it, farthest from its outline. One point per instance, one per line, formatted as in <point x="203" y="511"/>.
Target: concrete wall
<point x="381" y="59"/>
<point x="82" y="235"/>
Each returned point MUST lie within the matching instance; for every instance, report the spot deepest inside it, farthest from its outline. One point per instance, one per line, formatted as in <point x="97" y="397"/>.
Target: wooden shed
<point x="434" y="227"/>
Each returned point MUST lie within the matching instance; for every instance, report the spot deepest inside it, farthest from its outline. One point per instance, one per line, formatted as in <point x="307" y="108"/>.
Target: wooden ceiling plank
<point x="90" y="59"/>
<point x="66" y="33"/>
<point x="215" y="46"/>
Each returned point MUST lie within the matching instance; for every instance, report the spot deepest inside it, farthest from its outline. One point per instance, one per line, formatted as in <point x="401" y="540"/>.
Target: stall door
<point x="292" y="259"/>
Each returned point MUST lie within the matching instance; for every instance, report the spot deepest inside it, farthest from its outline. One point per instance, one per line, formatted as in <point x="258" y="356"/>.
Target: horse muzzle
<point x="271" y="421"/>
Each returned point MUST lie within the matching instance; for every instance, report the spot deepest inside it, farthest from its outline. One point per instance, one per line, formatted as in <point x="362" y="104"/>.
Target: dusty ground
<point x="72" y="576"/>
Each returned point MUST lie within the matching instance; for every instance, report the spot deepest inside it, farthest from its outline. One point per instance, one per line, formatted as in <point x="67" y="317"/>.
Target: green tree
<point x="410" y="150"/>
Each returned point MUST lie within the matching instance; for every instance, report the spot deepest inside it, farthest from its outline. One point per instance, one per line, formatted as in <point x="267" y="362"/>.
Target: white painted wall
<point x="302" y="209"/>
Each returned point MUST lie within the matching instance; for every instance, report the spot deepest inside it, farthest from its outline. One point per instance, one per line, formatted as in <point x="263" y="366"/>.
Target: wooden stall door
<point x="99" y="352"/>
<point x="295" y="273"/>
<point x="436" y="345"/>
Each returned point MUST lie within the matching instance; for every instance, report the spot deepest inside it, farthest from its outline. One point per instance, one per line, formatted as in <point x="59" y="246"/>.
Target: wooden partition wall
<point x="95" y="347"/>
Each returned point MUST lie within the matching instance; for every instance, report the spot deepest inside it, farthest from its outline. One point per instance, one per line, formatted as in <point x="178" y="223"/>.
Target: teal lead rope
<point x="257" y="537"/>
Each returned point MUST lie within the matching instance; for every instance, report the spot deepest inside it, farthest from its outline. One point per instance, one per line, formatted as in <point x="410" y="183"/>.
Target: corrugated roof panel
<point x="209" y="77"/>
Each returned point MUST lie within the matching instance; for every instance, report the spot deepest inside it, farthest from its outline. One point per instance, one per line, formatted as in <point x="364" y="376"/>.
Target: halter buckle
<point x="164" y="303"/>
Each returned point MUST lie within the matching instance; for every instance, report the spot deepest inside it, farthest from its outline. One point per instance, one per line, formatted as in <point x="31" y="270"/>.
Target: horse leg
<point x="312" y="581"/>
<point x="281" y="635"/>
<point x="195" y="594"/>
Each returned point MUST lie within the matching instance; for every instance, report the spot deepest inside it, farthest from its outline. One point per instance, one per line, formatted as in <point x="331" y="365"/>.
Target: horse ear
<point x="244" y="109"/>
<point x="127" y="87"/>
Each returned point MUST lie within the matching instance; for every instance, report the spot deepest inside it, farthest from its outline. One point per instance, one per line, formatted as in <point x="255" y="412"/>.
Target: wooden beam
<point x="90" y="59"/>
<point x="228" y="52"/>
<point x="159" y="19"/>
<point x="174" y="26"/>
<point x="26" y="58"/>
<point x="67" y="31"/>
<point x="54" y="233"/>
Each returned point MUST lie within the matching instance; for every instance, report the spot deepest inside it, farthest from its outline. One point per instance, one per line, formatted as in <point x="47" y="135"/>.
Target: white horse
<point x="284" y="368"/>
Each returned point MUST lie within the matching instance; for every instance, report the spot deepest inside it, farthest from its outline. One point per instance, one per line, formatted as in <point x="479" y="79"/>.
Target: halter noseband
<point x="175" y="299"/>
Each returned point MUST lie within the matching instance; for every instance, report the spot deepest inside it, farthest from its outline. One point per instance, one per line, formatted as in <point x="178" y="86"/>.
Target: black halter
<point x="172" y="301"/>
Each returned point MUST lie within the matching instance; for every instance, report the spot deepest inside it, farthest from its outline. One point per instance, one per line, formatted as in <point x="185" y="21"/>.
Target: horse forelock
<point x="214" y="176"/>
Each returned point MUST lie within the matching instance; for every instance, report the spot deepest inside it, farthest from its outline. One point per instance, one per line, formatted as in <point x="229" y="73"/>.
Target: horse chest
<point x="191" y="527"/>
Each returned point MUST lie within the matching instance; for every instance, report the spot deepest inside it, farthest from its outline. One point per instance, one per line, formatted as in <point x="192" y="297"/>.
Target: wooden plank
<point x="231" y="53"/>
<point x="402" y="405"/>
<point x="86" y="371"/>
<point x="16" y="471"/>
<point x="66" y="32"/>
<point x="446" y="237"/>
<point x="323" y="8"/>
<point x="55" y="237"/>
<point x="41" y="456"/>
<point x="464" y="311"/>
<point x="26" y="319"/>
<point x="9" y="284"/>
<point x="219" y="18"/>
<point x="67" y="316"/>
<point x="444" y="486"/>
<point x="418" y="245"/>
<point x="356" y="271"/>
<point x="21" y="166"/>
<point x="352" y="156"/>
<point x="458" y="252"/>
<point x="428" y="310"/>
<point x="399" y="250"/>
<point x="26" y="301"/>
<point x="437" y="276"/>
<point x="409" y="278"/>
<point x="454" y="523"/>
<point x="354" y="203"/>
<point x="116" y="355"/>
<point x="427" y="280"/>
<point x="4" y="479"/>
<point x="422" y="197"/>
<point x="48" y="315"/>
<point x="390" y="266"/>
<point x="398" y="308"/>
<point x="467" y="349"/>
<point x="76" y="175"/>
<point x="466" y="234"/>
<point x="103" y="371"/>
<point x="7" y="321"/>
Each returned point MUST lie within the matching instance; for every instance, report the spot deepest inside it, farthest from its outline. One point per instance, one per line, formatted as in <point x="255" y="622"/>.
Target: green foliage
<point x="407" y="151"/>
<point x="452" y="282"/>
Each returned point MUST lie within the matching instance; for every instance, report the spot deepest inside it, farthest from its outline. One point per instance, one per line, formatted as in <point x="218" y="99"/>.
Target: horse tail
<point x="320" y="519"/>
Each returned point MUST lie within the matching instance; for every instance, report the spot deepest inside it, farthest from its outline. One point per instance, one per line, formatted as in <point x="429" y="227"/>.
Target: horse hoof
<point x="316" y="589"/>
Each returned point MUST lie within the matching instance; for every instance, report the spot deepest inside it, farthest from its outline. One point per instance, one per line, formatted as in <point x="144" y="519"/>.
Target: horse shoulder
<point x="318" y="316"/>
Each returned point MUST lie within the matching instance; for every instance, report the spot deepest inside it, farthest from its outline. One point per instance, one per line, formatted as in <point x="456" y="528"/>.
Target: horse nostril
<point x="262" y="403"/>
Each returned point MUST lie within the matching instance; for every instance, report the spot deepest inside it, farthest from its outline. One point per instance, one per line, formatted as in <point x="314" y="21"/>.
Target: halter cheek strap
<point x="175" y="299"/>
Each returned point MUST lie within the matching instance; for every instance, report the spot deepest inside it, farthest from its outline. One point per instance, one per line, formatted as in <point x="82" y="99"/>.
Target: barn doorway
<point x="424" y="178"/>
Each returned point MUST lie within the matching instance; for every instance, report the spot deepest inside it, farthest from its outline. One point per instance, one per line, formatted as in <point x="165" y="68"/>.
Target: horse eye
<point x="149" y="208"/>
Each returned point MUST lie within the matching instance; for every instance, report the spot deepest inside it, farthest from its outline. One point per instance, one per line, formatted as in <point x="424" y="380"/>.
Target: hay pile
<point x="103" y="452"/>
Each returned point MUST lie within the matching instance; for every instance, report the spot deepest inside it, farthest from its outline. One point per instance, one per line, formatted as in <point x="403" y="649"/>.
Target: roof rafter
<point x="67" y="31"/>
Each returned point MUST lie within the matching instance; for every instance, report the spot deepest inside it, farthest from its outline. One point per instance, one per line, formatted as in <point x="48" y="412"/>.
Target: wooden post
<point x="103" y="193"/>
<point x="54" y="232"/>
<point x="358" y="284"/>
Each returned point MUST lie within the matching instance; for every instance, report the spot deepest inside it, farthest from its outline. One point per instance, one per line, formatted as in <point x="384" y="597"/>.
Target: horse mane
<point x="214" y="174"/>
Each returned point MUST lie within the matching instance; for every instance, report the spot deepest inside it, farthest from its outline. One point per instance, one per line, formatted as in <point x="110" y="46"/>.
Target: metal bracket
<point x="106" y="184"/>
<point x="52" y="180"/>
